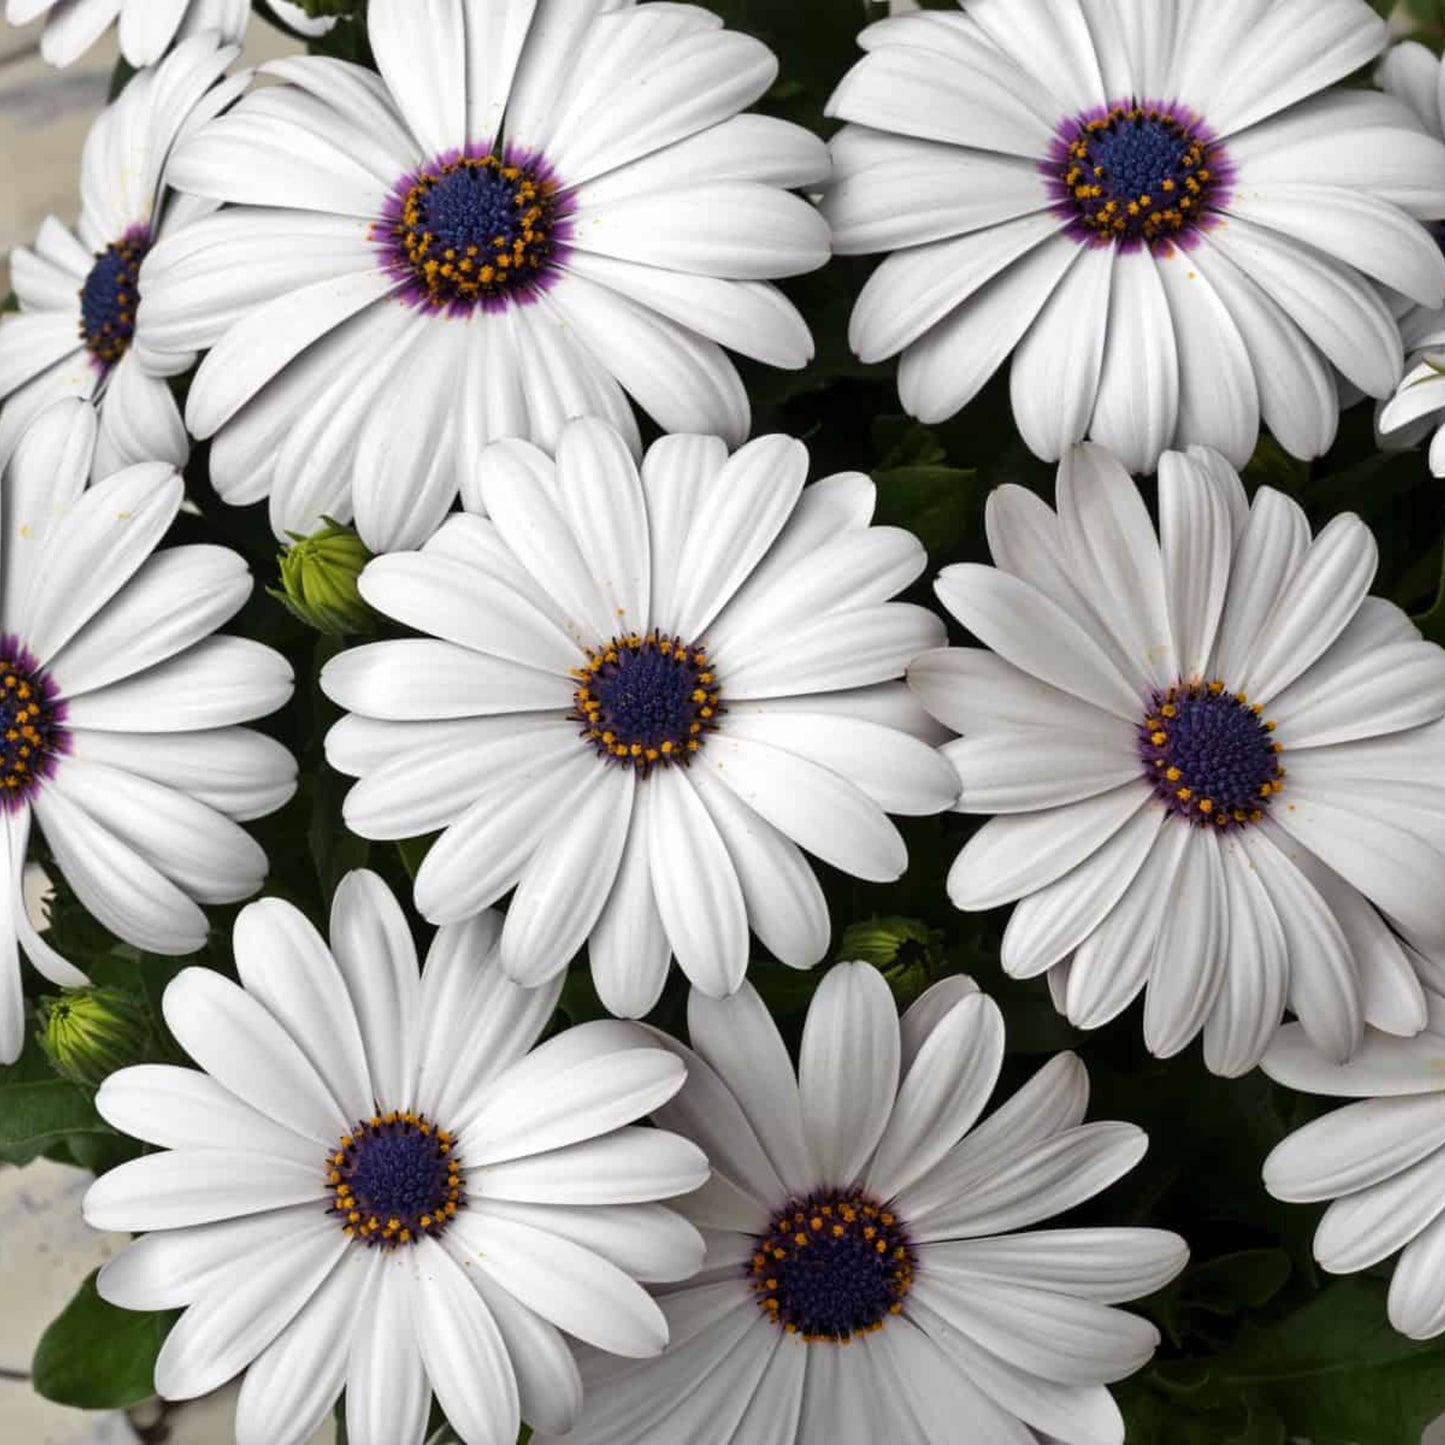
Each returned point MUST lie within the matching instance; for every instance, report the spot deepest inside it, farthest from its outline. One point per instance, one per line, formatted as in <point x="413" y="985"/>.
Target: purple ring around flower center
<point x="1138" y="173"/>
<point x="32" y="731"/>
<point x="475" y="229"/>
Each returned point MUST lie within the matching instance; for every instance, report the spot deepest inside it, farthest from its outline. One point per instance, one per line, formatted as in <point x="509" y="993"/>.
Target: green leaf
<point x="939" y="505"/>
<point x="1247" y="1279"/>
<point x="413" y="851"/>
<point x="97" y="1357"/>
<point x="1432" y="623"/>
<point x="36" y="1113"/>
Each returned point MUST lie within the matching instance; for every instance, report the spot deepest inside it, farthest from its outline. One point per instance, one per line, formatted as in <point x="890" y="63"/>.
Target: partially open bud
<point x="89" y="1033"/>
<point x="318" y="580"/>
<point x="906" y="951"/>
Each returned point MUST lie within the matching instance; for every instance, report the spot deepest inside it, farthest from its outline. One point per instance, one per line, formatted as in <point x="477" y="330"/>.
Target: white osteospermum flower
<point x="148" y="28"/>
<point x="637" y="699"/>
<point x="379" y="1184"/>
<point x="857" y="1203"/>
<point x="1417" y="409"/>
<point x="1160" y="209"/>
<point x="118" y="707"/>
<point x="1381" y="1160"/>
<point x="75" y="332"/>
<point x="537" y="207"/>
<point x="1216" y="754"/>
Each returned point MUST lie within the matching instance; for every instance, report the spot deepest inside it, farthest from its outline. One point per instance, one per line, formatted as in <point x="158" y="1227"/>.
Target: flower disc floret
<point x="647" y="700"/>
<point x="110" y="296"/>
<point x="393" y="1179"/>
<point x="474" y="230"/>
<point x="832" y="1266"/>
<point x="31" y="734"/>
<point x="1137" y="173"/>
<point x="1210" y="754"/>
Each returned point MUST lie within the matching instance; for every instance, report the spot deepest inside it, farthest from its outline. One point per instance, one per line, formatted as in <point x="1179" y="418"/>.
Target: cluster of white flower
<point x="633" y="687"/>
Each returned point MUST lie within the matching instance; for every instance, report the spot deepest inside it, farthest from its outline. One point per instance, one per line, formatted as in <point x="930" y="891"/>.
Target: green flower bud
<point x="89" y="1033"/>
<point x="318" y="580"/>
<point x="906" y="951"/>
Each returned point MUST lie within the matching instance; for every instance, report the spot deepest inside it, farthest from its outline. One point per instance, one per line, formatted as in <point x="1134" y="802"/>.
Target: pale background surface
<point x="45" y="1248"/>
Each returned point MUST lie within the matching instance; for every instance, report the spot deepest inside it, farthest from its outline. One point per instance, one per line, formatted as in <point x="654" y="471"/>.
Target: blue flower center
<point x="832" y="1266"/>
<point x="393" y="1179"/>
<point x="645" y="701"/>
<point x="1210" y="755"/>
<point x="475" y="229"/>
<point x="109" y="298"/>
<point x="30" y="732"/>
<point x="1137" y="173"/>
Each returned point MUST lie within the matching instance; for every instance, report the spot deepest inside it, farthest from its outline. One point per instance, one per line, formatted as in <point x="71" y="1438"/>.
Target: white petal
<point x="1047" y="925"/>
<point x="1296" y="386"/>
<point x="186" y="1109"/>
<point x="1330" y="303"/>
<point x="1187" y="971"/>
<point x="230" y="1035"/>
<point x="1324" y="983"/>
<point x="375" y="955"/>
<point x="566" y="882"/>
<point x="1417" y="1302"/>
<point x="584" y="1101"/>
<point x="573" y="1288"/>
<point x="181" y="1187"/>
<point x="1219" y="403"/>
<point x="1033" y="1183"/>
<point x="462" y="1349"/>
<point x="1111" y="1266"/>
<point x="1197" y="541"/>
<point x="1020" y="853"/>
<point x="695" y="886"/>
<point x="948" y="366"/>
<point x="848" y="1069"/>
<point x="1137" y="410"/>
<point x="943" y="1093"/>
<point x="1072" y="1341"/>
<point x="1054" y="382"/>
<point x="221" y="1334"/>
<point x="285" y="964"/>
<point x="828" y="815"/>
<point x="628" y="946"/>
<point x="738" y="1038"/>
<point x="1252" y="999"/>
<point x="388" y="1397"/>
<point x="1269" y="551"/>
<point x="290" y="1388"/>
<point x="786" y="907"/>
<point x="1036" y="635"/>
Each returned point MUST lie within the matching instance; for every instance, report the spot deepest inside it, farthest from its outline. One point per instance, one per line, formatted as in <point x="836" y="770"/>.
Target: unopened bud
<point x="907" y="952"/>
<point x="318" y="580"/>
<point x="89" y="1033"/>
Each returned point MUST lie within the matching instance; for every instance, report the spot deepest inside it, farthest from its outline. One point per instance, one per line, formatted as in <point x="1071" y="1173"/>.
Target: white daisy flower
<point x="1216" y="753"/>
<point x="377" y="1183"/>
<point x="1160" y="209"/>
<point x="856" y="1203"/>
<point x="75" y="330"/>
<point x="636" y="700"/>
<point x="148" y="28"/>
<point x="1417" y="409"/>
<point x="118" y="707"/>
<point x="1381" y="1160"/>
<point x="539" y="206"/>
